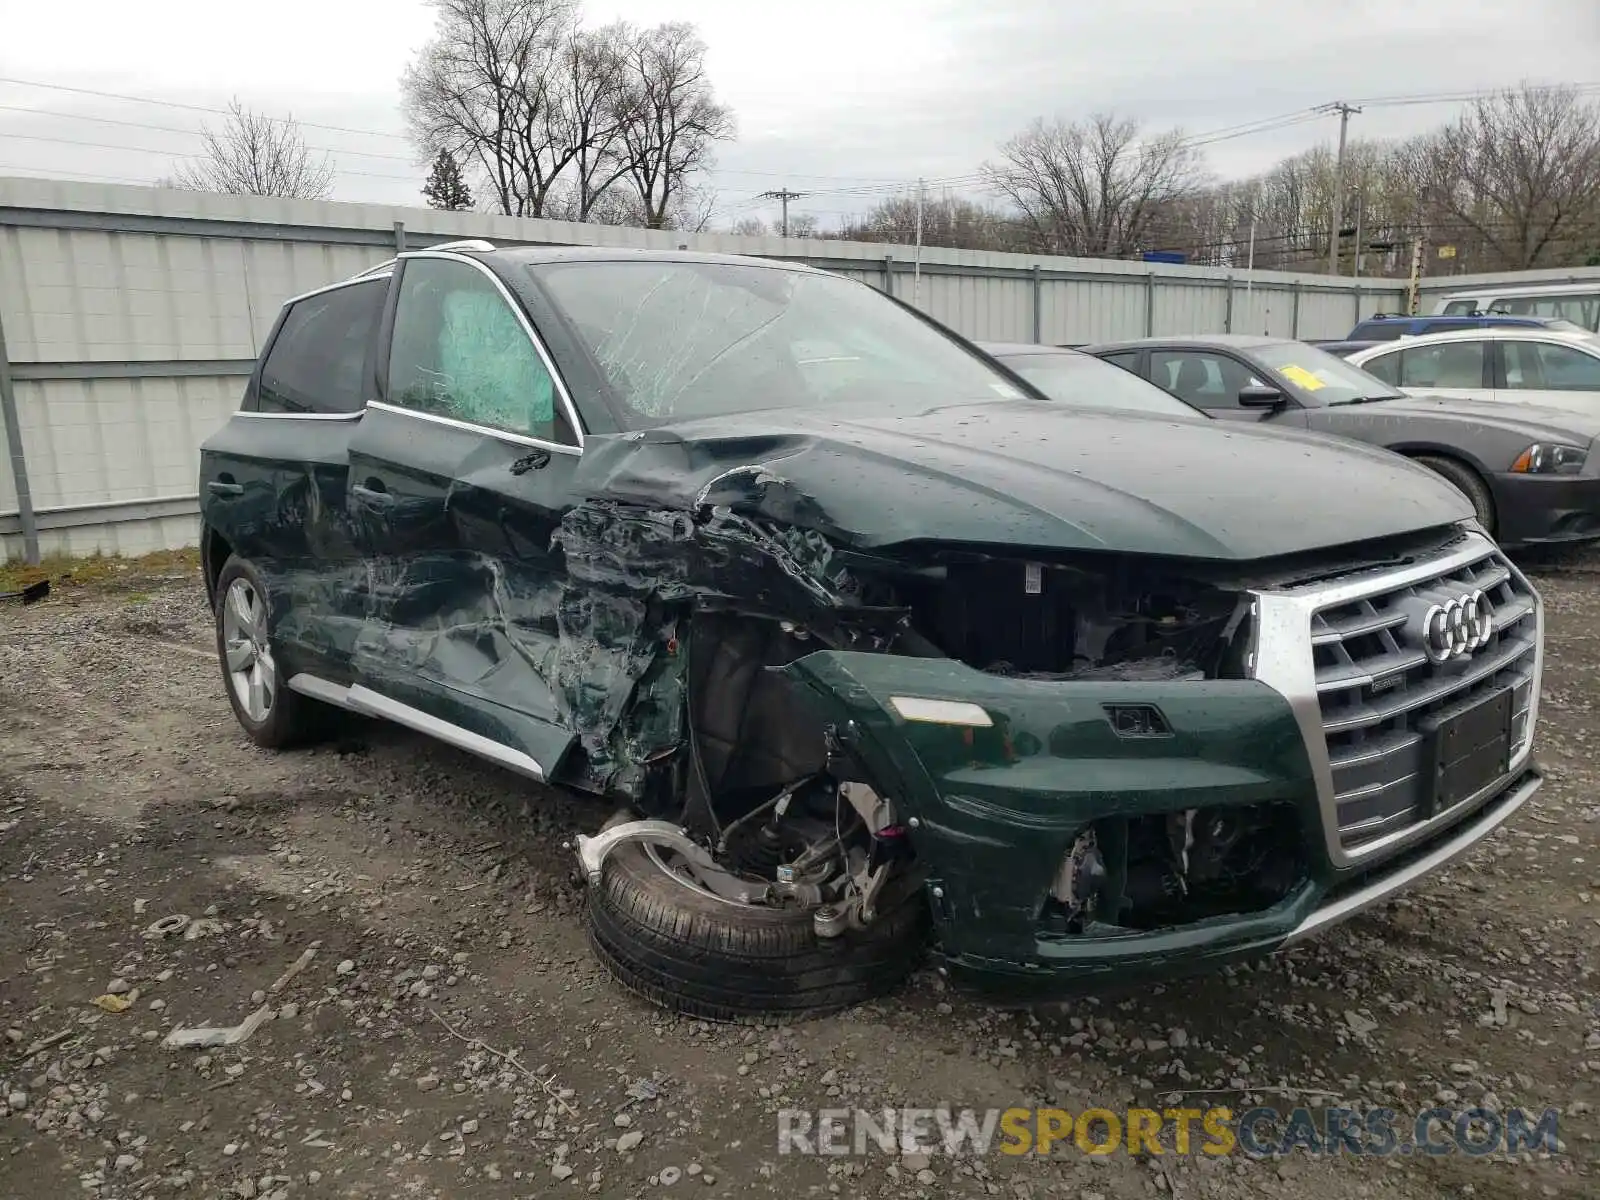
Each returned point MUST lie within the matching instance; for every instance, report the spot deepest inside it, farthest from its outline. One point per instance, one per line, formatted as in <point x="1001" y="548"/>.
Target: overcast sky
<point x="831" y="95"/>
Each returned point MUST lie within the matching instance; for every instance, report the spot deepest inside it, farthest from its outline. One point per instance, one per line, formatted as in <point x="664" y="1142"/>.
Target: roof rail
<point x="463" y="244"/>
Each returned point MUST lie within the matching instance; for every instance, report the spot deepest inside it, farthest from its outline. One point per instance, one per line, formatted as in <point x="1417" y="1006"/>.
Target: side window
<point x="1556" y="368"/>
<point x="1204" y="380"/>
<point x="1451" y="365"/>
<point x="1128" y="360"/>
<point x="1460" y="308"/>
<point x="460" y="351"/>
<point x="1386" y="367"/>
<point x="1377" y="331"/>
<point x="314" y="365"/>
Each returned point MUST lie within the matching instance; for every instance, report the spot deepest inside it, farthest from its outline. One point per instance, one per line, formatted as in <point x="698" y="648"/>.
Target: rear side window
<point x="1377" y="331"/>
<point x="1460" y="308"/>
<point x="315" y="363"/>
<point x="460" y="351"/>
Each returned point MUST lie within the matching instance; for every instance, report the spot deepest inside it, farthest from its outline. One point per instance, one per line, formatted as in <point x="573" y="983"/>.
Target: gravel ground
<point x="450" y="1035"/>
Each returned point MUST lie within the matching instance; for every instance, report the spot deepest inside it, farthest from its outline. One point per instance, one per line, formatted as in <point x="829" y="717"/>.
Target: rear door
<point x="273" y="480"/>
<point x="1547" y="373"/>
<point x="460" y="474"/>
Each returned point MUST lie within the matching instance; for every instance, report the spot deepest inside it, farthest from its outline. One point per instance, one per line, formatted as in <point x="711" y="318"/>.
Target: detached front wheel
<point x="679" y="945"/>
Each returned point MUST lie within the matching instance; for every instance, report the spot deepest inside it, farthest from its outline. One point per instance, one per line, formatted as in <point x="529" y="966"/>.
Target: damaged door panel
<point x="458" y="486"/>
<point x="274" y="483"/>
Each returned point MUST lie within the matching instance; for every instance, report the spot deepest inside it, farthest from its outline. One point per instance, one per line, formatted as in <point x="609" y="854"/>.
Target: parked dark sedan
<point x="1531" y="474"/>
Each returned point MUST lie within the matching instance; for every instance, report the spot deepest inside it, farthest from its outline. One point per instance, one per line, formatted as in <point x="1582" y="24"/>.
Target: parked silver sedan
<point x="1553" y="368"/>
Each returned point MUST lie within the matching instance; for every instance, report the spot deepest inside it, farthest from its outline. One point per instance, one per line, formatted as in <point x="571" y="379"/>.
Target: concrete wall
<point x="130" y="315"/>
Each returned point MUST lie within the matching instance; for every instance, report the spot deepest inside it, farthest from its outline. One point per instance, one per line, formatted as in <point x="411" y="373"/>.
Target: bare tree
<point x="596" y="98"/>
<point x="1520" y="173"/>
<point x="946" y="221"/>
<point x="484" y="89"/>
<point x="256" y="155"/>
<point x="675" y="120"/>
<point x="1093" y="187"/>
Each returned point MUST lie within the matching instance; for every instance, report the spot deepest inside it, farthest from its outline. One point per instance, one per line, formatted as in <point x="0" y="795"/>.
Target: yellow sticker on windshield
<point x="1303" y="377"/>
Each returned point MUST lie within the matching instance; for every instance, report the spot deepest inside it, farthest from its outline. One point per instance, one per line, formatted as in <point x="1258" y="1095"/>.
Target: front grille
<point x="1377" y="689"/>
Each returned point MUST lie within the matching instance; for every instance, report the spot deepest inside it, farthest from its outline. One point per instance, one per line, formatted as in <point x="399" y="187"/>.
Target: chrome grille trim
<point x="1324" y="645"/>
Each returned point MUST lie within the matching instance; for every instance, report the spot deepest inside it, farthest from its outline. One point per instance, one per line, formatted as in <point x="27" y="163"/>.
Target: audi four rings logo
<point x="1457" y="627"/>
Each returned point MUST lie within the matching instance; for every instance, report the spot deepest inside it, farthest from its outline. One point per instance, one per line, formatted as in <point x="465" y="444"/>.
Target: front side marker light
<point x="939" y="712"/>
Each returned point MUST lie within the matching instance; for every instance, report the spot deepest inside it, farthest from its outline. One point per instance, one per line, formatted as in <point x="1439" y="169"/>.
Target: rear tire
<point x="270" y="714"/>
<point x="1468" y="482"/>
<point x="722" y="961"/>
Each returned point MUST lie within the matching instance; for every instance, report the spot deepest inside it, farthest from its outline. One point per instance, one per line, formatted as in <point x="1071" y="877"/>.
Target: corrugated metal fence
<point x="129" y="317"/>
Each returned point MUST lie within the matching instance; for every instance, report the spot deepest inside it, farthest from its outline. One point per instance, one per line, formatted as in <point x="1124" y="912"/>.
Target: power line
<point x="32" y="137"/>
<point x="203" y="108"/>
<point x="44" y="112"/>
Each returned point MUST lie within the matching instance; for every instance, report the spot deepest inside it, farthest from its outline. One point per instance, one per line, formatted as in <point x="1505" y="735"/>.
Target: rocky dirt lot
<point x="451" y="1036"/>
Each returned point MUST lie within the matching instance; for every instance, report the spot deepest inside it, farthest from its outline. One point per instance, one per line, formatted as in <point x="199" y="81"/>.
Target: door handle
<point x="531" y="461"/>
<point x="376" y="497"/>
<point x="221" y="487"/>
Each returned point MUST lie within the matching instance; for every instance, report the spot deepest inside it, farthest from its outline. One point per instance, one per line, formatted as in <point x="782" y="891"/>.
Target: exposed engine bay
<point x="764" y="804"/>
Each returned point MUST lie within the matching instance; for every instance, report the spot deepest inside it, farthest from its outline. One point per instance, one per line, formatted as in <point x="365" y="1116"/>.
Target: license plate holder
<point x="1467" y="750"/>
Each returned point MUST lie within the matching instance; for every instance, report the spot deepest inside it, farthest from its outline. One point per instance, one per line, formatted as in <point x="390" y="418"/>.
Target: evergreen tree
<point x="446" y="189"/>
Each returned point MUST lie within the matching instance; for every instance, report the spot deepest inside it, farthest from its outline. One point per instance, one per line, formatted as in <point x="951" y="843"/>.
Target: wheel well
<point x="1455" y="460"/>
<point x="214" y="551"/>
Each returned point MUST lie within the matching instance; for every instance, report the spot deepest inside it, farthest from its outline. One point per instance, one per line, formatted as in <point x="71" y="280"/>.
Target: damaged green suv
<point x="871" y="647"/>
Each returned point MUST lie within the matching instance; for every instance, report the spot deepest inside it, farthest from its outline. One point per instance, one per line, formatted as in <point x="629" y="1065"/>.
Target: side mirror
<point x="1260" y="395"/>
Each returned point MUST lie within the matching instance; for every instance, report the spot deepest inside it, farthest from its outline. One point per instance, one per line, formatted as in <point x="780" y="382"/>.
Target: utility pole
<point x="916" y="271"/>
<point x="784" y="195"/>
<point x="1414" y="290"/>
<point x="1344" y="110"/>
<point x="1361" y="210"/>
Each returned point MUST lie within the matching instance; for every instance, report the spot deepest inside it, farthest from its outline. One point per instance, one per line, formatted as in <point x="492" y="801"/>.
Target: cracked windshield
<point x="677" y="340"/>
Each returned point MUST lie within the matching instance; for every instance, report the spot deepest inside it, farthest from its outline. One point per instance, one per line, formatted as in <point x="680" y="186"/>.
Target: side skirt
<point x="364" y="700"/>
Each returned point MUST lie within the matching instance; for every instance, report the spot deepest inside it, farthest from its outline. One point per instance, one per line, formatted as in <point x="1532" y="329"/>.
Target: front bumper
<point x="1208" y="945"/>
<point x="1545" y="509"/>
<point x="993" y="808"/>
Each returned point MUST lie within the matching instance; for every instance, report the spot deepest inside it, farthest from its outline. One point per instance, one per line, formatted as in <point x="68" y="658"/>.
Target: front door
<point x="460" y="474"/>
<point x="1212" y="381"/>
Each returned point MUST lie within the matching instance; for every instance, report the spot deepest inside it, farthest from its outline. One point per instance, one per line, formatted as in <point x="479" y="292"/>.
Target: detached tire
<point x="721" y="961"/>
<point x="1468" y="482"/>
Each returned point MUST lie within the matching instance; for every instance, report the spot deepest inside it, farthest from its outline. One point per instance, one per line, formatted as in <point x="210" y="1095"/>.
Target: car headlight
<point x="1550" y="458"/>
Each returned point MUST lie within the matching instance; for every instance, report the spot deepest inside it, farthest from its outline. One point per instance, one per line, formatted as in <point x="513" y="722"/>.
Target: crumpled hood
<point x="1027" y="473"/>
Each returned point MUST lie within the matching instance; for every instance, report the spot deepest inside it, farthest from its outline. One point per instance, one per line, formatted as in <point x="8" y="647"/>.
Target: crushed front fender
<point x="993" y="806"/>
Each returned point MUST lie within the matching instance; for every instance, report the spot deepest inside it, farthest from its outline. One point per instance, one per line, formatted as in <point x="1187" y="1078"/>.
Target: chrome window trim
<point x="567" y="404"/>
<point x="505" y="435"/>
<point x="308" y="416"/>
<point x="333" y="287"/>
<point x="1281" y="657"/>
